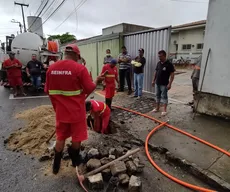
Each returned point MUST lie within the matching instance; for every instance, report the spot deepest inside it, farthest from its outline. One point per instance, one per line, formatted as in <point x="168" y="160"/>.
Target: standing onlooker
<point x="33" y="70"/>
<point x="196" y="76"/>
<point x="164" y="71"/>
<point x="108" y="58"/>
<point x="14" y="73"/>
<point x="124" y="60"/>
<point x="139" y="64"/>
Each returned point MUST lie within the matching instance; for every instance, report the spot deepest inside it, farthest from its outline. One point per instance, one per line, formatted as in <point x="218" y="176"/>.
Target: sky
<point x="93" y="15"/>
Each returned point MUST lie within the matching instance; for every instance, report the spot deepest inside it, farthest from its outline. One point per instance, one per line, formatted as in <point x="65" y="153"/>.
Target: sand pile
<point x="40" y="125"/>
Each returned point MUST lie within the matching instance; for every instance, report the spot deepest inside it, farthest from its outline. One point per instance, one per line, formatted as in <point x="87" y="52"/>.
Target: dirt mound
<point x="40" y="125"/>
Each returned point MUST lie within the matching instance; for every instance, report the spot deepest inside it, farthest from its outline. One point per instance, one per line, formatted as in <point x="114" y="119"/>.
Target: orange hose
<point x="188" y="185"/>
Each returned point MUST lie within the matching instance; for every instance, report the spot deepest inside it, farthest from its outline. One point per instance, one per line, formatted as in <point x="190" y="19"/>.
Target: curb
<point x="204" y="175"/>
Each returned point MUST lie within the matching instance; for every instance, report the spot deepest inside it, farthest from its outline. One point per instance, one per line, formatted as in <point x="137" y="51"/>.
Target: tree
<point x="64" y="38"/>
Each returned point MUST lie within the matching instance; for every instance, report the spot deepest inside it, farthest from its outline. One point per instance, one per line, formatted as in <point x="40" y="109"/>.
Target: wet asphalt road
<point x="17" y="171"/>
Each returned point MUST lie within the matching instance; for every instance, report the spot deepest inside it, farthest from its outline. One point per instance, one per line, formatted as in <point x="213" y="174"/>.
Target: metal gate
<point x="151" y="41"/>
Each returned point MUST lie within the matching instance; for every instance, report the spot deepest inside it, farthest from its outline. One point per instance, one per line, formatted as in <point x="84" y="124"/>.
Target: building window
<point x="186" y="47"/>
<point x="199" y="46"/>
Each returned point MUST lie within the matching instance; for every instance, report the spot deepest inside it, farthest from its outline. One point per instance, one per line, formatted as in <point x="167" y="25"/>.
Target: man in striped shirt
<point x="124" y="59"/>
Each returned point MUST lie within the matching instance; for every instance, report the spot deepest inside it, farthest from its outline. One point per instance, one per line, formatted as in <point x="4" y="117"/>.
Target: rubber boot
<point x="75" y="156"/>
<point x="108" y="102"/>
<point x="57" y="161"/>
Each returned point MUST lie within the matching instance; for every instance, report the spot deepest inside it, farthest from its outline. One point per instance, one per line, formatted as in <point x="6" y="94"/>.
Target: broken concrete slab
<point x="112" y="157"/>
<point x="119" y="151"/>
<point x="135" y="184"/>
<point x="113" y="184"/>
<point x="131" y="167"/>
<point x="93" y="153"/>
<point x="93" y="164"/>
<point x="112" y="151"/>
<point x="95" y="182"/>
<point x="103" y="152"/>
<point x="118" y="168"/>
<point x="105" y="160"/>
<point x="123" y="179"/>
<point x="106" y="174"/>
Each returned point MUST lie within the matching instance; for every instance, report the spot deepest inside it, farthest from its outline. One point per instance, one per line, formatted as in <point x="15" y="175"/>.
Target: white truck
<point x="26" y="44"/>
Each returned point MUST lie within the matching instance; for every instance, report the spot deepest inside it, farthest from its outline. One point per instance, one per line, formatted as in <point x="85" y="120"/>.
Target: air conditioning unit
<point x="175" y="42"/>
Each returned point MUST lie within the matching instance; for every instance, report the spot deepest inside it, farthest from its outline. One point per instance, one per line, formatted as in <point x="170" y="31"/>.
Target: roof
<point x="202" y="22"/>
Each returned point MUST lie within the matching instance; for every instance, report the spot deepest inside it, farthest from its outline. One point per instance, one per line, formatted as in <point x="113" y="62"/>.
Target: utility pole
<point x="23" y="16"/>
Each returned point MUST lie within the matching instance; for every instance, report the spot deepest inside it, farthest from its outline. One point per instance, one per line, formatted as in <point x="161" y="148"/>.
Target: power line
<point x="75" y="10"/>
<point x="54" y="1"/>
<point x="59" y="6"/>
<point x="76" y="16"/>
<point x="188" y="1"/>
<point x="39" y="7"/>
<point x="38" y="14"/>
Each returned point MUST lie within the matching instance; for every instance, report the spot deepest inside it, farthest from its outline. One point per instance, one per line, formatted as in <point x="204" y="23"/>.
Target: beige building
<point x="187" y="41"/>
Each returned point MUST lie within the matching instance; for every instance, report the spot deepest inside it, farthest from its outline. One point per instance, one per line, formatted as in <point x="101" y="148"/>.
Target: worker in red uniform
<point x="101" y="115"/>
<point x="109" y="72"/>
<point x="68" y="83"/>
<point x="14" y="73"/>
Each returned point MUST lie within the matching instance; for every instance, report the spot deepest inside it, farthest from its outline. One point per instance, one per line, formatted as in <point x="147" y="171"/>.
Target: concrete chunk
<point x="95" y="182"/>
<point x="118" y="168"/>
<point x="93" y="164"/>
<point x="123" y="179"/>
<point x="135" y="184"/>
<point x="131" y="167"/>
<point x="105" y="160"/>
<point x="106" y="174"/>
<point x="119" y="152"/>
<point x="93" y="153"/>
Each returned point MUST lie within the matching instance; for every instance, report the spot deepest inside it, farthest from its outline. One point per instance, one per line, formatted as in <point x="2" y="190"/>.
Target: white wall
<point x="217" y="37"/>
<point x="188" y="36"/>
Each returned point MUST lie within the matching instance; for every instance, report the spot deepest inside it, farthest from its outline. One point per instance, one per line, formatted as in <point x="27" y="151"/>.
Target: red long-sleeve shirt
<point x="13" y="71"/>
<point x="67" y="83"/>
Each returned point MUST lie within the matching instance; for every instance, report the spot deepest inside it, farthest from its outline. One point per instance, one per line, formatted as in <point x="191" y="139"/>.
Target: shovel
<point x="52" y="144"/>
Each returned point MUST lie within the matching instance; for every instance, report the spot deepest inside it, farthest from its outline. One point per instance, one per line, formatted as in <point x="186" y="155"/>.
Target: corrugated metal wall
<point x="94" y="50"/>
<point x="151" y="41"/>
<point x="113" y="45"/>
<point x="89" y="53"/>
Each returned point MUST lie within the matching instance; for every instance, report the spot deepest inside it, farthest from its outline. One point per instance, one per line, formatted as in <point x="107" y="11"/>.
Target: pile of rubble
<point x="121" y="173"/>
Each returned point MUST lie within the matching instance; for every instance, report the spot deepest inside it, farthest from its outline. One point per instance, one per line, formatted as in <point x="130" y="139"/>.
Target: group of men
<point x="14" y="73"/>
<point x="162" y="79"/>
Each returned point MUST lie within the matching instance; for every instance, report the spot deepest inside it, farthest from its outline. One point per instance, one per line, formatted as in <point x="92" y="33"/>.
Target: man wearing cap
<point x="124" y="60"/>
<point x="109" y="72"/>
<point x="138" y="67"/>
<point x="14" y="74"/>
<point x="68" y="83"/>
<point x="101" y="115"/>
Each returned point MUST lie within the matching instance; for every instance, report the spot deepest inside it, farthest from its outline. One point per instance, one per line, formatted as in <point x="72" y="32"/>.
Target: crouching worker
<point x="101" y="115"/>
<point x="109" y="72"/>
<point x="67" y="83"/>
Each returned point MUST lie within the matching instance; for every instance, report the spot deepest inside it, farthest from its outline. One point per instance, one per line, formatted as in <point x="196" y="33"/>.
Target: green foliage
<point x="64" y="38"/>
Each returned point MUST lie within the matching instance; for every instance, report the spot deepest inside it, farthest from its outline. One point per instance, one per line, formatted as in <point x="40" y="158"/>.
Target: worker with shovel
<point x="101" y="115"/>
<point x="68" y="83"/>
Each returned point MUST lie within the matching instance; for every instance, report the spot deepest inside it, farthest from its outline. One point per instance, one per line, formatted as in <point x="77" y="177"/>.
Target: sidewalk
<point x="215" y="131"/>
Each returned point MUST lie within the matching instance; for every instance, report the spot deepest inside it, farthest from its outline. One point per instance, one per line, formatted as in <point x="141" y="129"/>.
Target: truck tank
<point x="26" y="44"/>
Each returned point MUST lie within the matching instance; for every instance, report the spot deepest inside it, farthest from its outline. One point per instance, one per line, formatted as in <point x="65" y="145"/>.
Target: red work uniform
<point x="67" y="83"/>
<point x="14" y="74"/>
<point x="110" y="78"/>
<point x="102" y="121"/>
